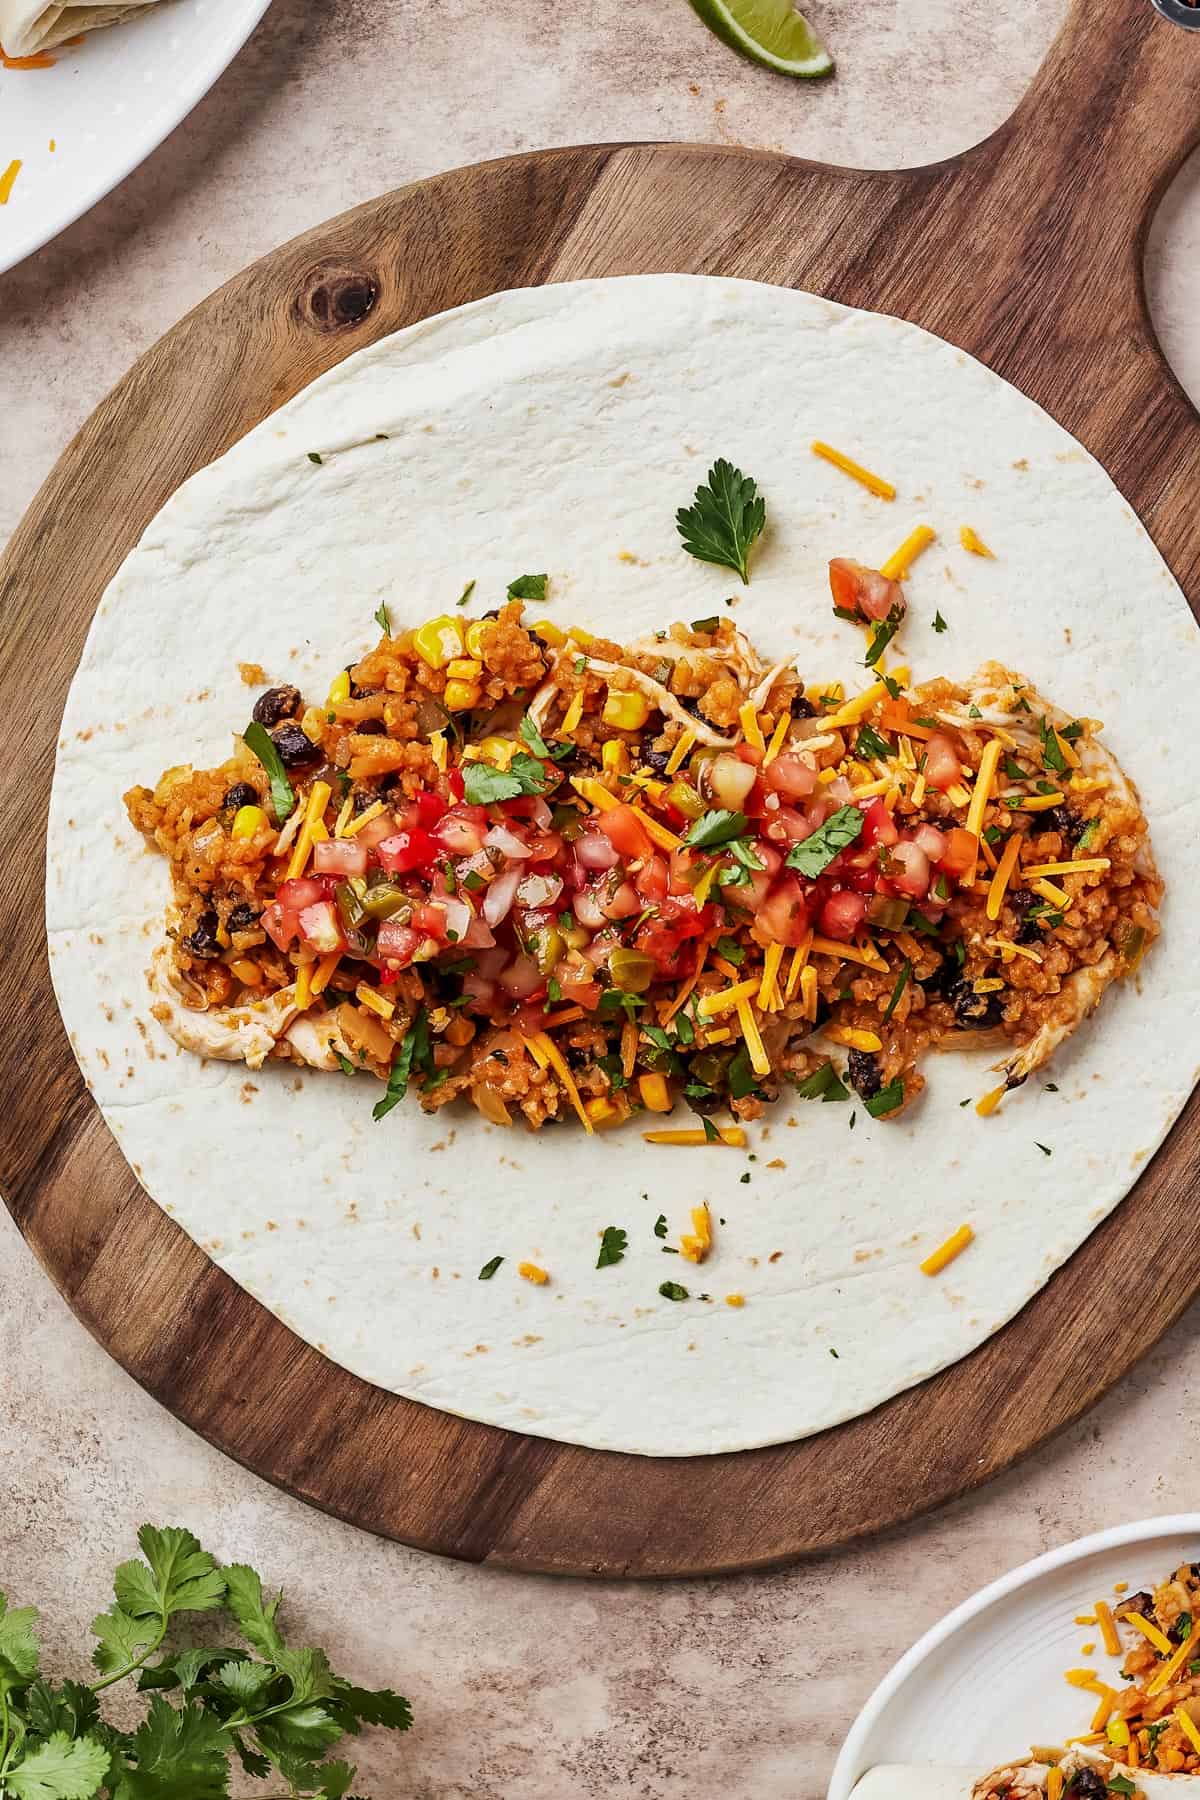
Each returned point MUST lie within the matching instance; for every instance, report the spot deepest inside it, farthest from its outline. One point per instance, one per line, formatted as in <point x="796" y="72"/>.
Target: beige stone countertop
<point x="524" y="1689"/>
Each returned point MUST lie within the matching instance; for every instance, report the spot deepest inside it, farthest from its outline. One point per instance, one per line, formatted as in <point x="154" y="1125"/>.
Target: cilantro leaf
<point x="123" y="1640"/>
<point x="711" y="1134"/>
<point x="724" y="520"/>
<point x="939" y="624"/>
<point x="898" y="990"/>
<point x="660" y="1226"/>
<point x="715" y="828"/>
<point x="1052" y="756"/>
<point x="869" y="743"/>
<point x="815" y="853"/>
<point x="742" y="1079"/>
<point x="370" y="1706"/>
<point x="181" y="1577"/>
<point x="254" y="1615"/>
<point x="344" y="1064"/>
<point x="886" y="1100"/>
<point x="466" y="594"/>
<point x="538" y="744"/>
<point x="185" y="1749"/>
<point x="71" y="1707"/>
<point x="823" y="1084"/>
<point x="314" y="457"/>
<point x="483" y="785"/>
<point x="259" y="742"/>
<point x="671" y="1290"/>
<point x="383" y="618"/>
<point x="489" y="1268"/>
<point x="613" y="1244"/>
<point x="401" y="1070"/>
<point x="528" y="587"/>
<point x="881" y="637"/>
<point x="59" y="1770"/>
<point x="731" y="950"/>
<point x="18" y="1646"/>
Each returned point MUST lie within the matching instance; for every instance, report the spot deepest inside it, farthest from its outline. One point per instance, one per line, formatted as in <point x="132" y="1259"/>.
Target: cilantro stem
<point x="98" y="1687"/>
<point x="5" y="1728"/>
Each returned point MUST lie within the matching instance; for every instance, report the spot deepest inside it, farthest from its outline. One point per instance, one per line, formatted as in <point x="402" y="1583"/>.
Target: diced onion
<point x="507" y="842"/>
<point x="497" y="902"/>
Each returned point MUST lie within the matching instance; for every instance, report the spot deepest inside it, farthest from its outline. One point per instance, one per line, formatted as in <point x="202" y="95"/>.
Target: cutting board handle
<point x="1114" y="111"/>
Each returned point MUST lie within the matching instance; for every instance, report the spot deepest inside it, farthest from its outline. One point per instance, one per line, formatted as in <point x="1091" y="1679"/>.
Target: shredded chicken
<point x="248" y="1033"/>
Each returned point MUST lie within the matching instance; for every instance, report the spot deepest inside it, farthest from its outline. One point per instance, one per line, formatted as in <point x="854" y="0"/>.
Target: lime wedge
<point x="770" y="32"/>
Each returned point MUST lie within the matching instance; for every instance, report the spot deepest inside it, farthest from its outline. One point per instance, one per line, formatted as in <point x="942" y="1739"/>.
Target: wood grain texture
<point x="1026" y="251"/>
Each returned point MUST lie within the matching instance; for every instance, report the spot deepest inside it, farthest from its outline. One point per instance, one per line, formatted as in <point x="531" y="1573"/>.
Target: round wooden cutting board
<point x="1027" y="252"/>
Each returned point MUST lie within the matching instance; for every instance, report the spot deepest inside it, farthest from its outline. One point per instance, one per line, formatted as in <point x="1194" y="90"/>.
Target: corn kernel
<point x="599" y="1109"/>
<point x="498" y="751"/>
<point x="475" y="631"/>
<point x="582" y="638"/>
<point x="530" y="1272"/>
<point x="439" y="641"/>
<point x="247" y="972"/>
<point x="461" y="696"/>
<point x="247" y="820"/>
<point x="464" y="668"/>
<point x="655" y="1094"/>
<point x="615" y="757"/>
<point x="312" y="721"/>
<point x="625" y="711"/>
<point x="550" y="634"/>
<point x="339" y="689"/>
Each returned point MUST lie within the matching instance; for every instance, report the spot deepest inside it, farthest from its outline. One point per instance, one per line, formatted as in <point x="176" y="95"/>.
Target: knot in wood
<point x="338" y="299"/>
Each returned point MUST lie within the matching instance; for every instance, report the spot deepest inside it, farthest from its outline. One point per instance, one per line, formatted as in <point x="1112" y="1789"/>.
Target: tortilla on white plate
<point x="27" y="26"/>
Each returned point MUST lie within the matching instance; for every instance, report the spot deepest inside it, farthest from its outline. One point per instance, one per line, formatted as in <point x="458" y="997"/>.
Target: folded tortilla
<point x="559" y="429"/>
<point x="27" y="26"/>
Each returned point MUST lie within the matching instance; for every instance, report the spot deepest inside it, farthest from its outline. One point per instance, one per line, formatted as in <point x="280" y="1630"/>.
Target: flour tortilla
<point x="27" y="26"/>
<point x="913" y="1781"/>
<point x="559" y="429"/>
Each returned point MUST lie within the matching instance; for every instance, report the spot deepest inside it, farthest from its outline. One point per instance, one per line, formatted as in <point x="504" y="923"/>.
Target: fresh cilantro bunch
<point x="277" y="1709"/>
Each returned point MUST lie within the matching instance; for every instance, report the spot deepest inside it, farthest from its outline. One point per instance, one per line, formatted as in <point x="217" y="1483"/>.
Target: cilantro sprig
<point x="260" y="743"/>
<point x="724" y="520"/>
<point x="528" y="587"/>
<point x="276" y="1708"/>
<point x="815" y="853"/>
<point x="483" y="785"/>
<point x="715" y="829"/>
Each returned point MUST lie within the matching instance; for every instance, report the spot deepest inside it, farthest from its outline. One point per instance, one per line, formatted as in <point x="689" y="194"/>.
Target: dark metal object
<point x="1180" y="12"/>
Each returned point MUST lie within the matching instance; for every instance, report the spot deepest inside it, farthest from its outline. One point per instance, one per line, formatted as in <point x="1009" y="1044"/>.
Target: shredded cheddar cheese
<point x="695" y="1245"/>
<point x="1187" y="1725"/>
<point x="760" y="1062"/>
<point x="799" y="958"/>
<point x="323" y="974"/>
<point x="364" y="818"/>
<point x="901" y="560"/>
<point x="777" y="738"/>
<point x="1086" y="865"/>
<point x="767" y="999"/>
<point x="318" y="799"/>
<point x="8" y="180"/>
<point x="868" y="955"/>
<point x="732" y="1135"/>
<point x="1003" y="875"/>
<point x="954" y="1246"/>
<point x="304" y="976"/>
<point x="712" y="1004"/>
<point x="1054" y="1776"/>
<point x="857" y="1040"/>
<point x="991" y="1100"/>
<point x="680" y="753"/>
<point x="1151" y="1633"/>
<point x="1108" y="1632"/>
<point x="874" y="483"/>
<point x="572" y="716"/>
<point x="554" y="1057"/>
<point x="375" y="1001"/>
<point x="858" y="708"/>
<point x="971" y="540"/>
<point x="735" y="1299"/>
<point x="1169" y="1670"/>
<point x="531" y="1272"/>
<point x="983" y="786"/>
<point x="751" y="730"/>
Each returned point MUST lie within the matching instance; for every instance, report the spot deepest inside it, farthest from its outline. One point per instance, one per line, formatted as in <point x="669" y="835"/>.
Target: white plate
<point x="987" y="1681"/>
<point x="106" y="105"/>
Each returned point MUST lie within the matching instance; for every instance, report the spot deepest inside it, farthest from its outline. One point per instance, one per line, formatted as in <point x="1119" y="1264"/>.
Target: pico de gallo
<point x="561" y="877"/>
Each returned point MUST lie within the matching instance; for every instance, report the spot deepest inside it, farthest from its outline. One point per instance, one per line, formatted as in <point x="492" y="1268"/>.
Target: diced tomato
<point x="429" y="920"/>
<point x="862" y="879"/>
<point x="683" y="864"/>
<point x="750" y="894"/>
<point x="522" y="978"/>
<point x="653" y="880"/>
<point x="304" y="891"/>
<point x="942" y="765"/>
<point x="858" y="589"/>
<point x="280" y="925"/>
<point x="770" y="858"/>
<point x="625" y="831"/>
<point x="398" y="944"/>
<point x="960" y="852"/>
<point x="790" y="775"/>
<point x="321" y="928"/>
<point x="340" y="856"/>
<point x="581" y="993"/>
<point x="879" y="827"/>
<point x="842" y="914"/>
<point x="430" y="808"/>
<point x="908" y="869"/>
<point x="407" y="850"/>
<point x="783" y="916"/>
<point x="748" y="754"/>
<point x="665" y="940"/>
<point x="545" y="846"/>
<point x="784" y="825"/>
<point x="456" y="784"/>
<point x="622" y="902"/>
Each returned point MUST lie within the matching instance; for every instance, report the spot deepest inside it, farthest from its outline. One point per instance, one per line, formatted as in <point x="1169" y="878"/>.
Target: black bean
<point x="943" y="978"/>
<point x="802" y="708"/>
<point x="1029" y="931"/>
<point x="1067" y="824"/>
<point x="1087" y="1784"/>
<point x="244" y="917"/>
<point x="203" y="940"/>
<point x="492" y="613"/>
<point x="705" y="1103"/>
<point x="356" y="692"/>
<point x="656" y="759"/>
<point x="978" y="1011"/>
<point x="277" y="703"/>
<point x="293" y="746"/>
<point x="865" y="1077"/>
<point x="240" y="794"/>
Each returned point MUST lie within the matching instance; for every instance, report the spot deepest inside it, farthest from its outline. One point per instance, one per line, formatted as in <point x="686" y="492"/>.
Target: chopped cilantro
<point x="660" y="1226"/>
<point x="724" y="519"/>
<point x="382" y="618"/>
<point x="344" y="1064"/>
<point x="614" y="1069"/>
<point x="939" y="624"/>
<point x="1121" y="1784"/>
<point x="898" y="990"/>
<point x="1052" y="756"/>
<point x="816" y="852"/>
<point x="711" y="1134"/>
<point x="886" y="1100"/>
<point x="881" y="637"/>
<point x="553" y="988"/>
<point x="528" y="587"/>
<point x="473" y="881"/>
<point x="314" y="458"/>
<point x="731" y="950"/>
<point x="833" y="1352"/>
<point x="489" y="1268"/>
<point x="742" y="1079"/>
<point x="1044" y="1148"/>
<point x="921" y="922"/>
<point x="613" y="1243"/>
<point x="744" y="1178"/>
<point x="973" y="712"/>
<point x="1052" y="1087"/>
<point x="671" y="1290"/>
<point x="483" y="785"/>
<point x="261" y="744"/>
<point x="1013" y="769"/>
<point x="710" y="624"/>
<point x="992" y="836"/>
<point x="414" y="1048"/>
<point x="893" y="687"/>
<point x="685" y="1031"/>
<point x="715" y="828"/>
<point x="466" y="594"/>
<point x="823" y="1084"/>
<point x="538" y="744"/>
<point x="869" y="743"/>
